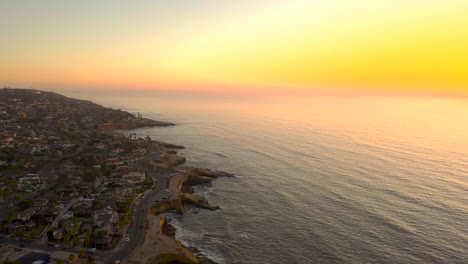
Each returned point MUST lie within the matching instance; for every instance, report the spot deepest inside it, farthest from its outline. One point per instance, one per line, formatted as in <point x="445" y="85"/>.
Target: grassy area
<point x="31" y="233"/>
<point x="165" y="206"/>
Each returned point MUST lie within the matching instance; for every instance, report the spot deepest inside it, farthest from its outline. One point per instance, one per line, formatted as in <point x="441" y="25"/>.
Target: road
<point x="138" y="233"/>
<point x="137" y="236"/>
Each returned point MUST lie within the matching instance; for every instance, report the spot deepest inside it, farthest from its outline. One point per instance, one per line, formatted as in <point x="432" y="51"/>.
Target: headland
<point x="73" y="182"/>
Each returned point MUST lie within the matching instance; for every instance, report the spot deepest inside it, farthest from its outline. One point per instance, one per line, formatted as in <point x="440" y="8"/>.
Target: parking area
<point x="31" y="257"/>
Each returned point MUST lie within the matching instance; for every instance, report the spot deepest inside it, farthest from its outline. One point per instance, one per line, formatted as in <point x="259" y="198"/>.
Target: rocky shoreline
<point x="181" y="194"/>
<point x="133" y="123"/>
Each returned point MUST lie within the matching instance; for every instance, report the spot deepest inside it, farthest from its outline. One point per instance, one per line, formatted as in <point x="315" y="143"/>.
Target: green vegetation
<point x="10" y="217"/>
<point x="165" y="206"/>
<point x="97" y="204"/>
<point x="124" y="209"/>
<point x="32" y="233"/>
<point x="25" y="204"/>
<point x="11" y="262"/>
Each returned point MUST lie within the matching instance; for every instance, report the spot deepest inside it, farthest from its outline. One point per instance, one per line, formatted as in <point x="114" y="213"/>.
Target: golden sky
<point x="385" y="45"/>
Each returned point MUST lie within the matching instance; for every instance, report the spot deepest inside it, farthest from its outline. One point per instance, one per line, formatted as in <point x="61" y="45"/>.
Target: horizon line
<point x="257" y="93"/>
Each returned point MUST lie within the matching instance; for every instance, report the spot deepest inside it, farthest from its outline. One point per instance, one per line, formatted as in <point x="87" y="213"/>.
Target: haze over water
<point x="321" y="179"/>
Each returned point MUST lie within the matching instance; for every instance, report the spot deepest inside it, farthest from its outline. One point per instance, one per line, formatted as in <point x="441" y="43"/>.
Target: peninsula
<point x="73" y="189"/>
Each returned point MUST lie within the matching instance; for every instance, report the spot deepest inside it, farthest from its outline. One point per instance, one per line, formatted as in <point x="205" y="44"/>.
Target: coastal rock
<point x="133" y="123"/>
<point x="204" y="172"/>
<point x="177" y="204"/>
<point x="203" y="258"/>
<point x="165" y="163"/>
<point x="166" y="206"/>
<point x="197" y="200"/>
<point x="166" y="228"/>
<point x="168" y="145"/>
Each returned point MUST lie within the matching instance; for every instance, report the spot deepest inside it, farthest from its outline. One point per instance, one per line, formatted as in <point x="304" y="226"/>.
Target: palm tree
<point x="66" y="239"/>
<point x="88" y="237"/>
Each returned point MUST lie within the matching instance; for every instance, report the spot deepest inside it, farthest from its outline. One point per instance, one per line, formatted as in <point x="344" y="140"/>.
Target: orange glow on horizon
<point x="252" y="47"/>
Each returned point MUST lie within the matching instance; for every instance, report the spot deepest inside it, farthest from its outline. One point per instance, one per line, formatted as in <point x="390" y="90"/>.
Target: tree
<point x="97" y="204"/>
<point x="82" y="253"/>
<point x="88" y="237"/>
<point x="59" y="261"/>
<point x="66" y="239"/>
<point x="10" y="216"/>
<point x="76" y="240"/>
<point x="71" y="257"/>
<point x="58" y="235"/>
<point x="124" y="209"/>
<point x="75" y="226"/>
<point x="25" y="204"/>
<point x="6" y="193"/>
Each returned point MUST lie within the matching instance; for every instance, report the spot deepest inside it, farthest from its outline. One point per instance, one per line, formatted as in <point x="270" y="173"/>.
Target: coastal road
<point x="137" y="236"/>
<point x="139" y="229"/>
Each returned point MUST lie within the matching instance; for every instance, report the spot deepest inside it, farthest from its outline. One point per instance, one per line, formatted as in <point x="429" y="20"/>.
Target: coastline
<point x="80" y="135"/>
<point x="160" y="244"/>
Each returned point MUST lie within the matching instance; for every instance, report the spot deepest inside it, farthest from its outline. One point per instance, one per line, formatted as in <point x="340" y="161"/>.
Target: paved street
<point x="137" y="236"/>
<point x="138" y="231"/>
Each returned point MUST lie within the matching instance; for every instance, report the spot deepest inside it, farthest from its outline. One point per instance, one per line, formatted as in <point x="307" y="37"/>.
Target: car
<point x="50" y="244"/>
<point x="21" y="245"/>
<point x="127" y="239"/>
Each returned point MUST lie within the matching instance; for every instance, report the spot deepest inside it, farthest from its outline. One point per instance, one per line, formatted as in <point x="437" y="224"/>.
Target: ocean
<point x="323" y="179"/>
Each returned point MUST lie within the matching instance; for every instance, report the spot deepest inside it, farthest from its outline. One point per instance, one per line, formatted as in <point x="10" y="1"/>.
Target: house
<point x="139" y="151"/>
<point x="41" y="201"/>
<point x="68" y="165"/>
<point x="117" y="151"/>
<point x="68" y="215"/>
<point x="99" y="146"/>
<point x="104" y="217"/>
<point x="58" y="233"/>
<point x="25" y="215"/>
<point x="30" y="179"/>
<point x="134" y="177"/>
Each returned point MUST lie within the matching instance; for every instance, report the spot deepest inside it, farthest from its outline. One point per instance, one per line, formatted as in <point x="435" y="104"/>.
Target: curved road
<point x="140" y="224"/>
<point x="136" y="237"/>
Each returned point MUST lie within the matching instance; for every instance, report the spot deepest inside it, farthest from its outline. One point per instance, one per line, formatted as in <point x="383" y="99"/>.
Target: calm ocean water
<point x="321" y="179"/>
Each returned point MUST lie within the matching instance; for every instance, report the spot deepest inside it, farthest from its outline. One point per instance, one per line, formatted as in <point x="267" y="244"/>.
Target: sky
<point x="242" y="46"/>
